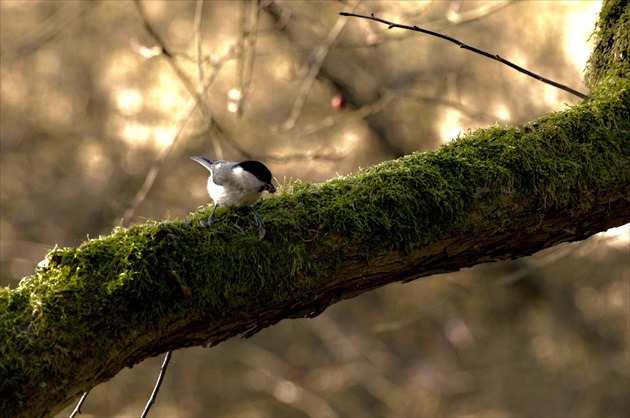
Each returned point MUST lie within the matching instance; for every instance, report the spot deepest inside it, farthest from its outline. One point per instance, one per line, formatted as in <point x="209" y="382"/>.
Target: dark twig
<point x="77" y="409"/>
<point x="167" y="359"/>
<point x="470" y="48"/>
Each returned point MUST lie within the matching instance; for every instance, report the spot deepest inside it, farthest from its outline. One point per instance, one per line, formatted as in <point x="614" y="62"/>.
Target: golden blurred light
<point x="287" y="392"/>
<point x="234" y="100"/>
<point x="144" y="51"/>
<point x="282" y="65"/>
<point x="453" y="14"/>
<point x="232" y="107"/>
<point x="579" y="22"/>
<point x="618" y="237"/>
<point x="451" y="125"/>
<point x="551" y="96"/>
<point x="136" y="134"/>
<point x="164" y="98"/>
<point x="128" y="101"/>
<point x="234" y="94"/>
<point x="502" y="112"/>
<point x="162" y="136"/>
<point x="90" y="154"/>
<point x="350" y="141"/>
<point x="180" y="30"/>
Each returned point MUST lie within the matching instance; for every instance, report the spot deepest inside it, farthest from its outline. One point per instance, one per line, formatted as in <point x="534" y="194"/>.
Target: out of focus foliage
<point x="88" y="104"/>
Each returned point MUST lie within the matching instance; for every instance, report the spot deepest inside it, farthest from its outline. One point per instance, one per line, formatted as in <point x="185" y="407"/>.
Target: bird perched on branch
<point x="236" y="185"/>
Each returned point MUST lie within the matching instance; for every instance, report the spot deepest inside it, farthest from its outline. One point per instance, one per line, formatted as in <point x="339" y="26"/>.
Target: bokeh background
<point x="97" y="128"/>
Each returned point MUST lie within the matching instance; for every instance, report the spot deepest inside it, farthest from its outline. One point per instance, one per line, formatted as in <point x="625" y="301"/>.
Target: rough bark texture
<point x="497" y="193"/>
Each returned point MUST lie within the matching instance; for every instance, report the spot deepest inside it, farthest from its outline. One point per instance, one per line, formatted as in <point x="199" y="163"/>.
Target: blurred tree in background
<point x="94" y="92"/>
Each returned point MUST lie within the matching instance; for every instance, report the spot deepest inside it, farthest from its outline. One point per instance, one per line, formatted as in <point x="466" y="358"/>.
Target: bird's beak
<point x="270" y="188"/>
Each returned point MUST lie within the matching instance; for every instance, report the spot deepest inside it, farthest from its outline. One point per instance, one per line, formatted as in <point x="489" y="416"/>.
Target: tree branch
<point x="497" y="193"/>
<point x="156" y="389"/>
<point x="462" y="45"/>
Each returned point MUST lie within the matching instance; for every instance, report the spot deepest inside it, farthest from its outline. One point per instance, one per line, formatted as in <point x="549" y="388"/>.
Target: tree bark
<point x="494" y="194"/>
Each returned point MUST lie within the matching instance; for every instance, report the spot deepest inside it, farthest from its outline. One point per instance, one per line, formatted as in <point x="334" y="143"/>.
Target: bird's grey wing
<point x="222" y="172"/>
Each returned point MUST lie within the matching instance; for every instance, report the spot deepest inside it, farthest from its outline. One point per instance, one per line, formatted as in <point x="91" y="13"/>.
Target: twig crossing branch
<point x="77" y="409"/>
<point x="470" y="48"/>
<point x="167" y="359"/>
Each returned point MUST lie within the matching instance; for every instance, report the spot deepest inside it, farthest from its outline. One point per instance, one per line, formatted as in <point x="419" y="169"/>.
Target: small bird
<point x="236" y="185"/>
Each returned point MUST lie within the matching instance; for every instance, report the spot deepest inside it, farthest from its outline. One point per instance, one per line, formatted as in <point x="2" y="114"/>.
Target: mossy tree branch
<point x="496" y="193"/>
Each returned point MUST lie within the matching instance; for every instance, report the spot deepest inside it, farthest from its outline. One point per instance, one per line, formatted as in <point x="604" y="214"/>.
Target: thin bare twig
<point x="348" y="116"/>
<point x="248" y="37"/>
<point x="167" y="53"/>
<point x="77" y="409"/>
<point x="218" y="151"/>
<point x="470" y="48"/>
<point x="48" y="30"/>
<point x="176" y="131"/>
<point x="457" y="105"/>
<point x="315" y="64"/>
<point x="167" y="359"/>
<point x="197" y="32"/>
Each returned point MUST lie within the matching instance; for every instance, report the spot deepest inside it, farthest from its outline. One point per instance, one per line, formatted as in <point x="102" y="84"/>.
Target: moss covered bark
<point x="496" y="193"/>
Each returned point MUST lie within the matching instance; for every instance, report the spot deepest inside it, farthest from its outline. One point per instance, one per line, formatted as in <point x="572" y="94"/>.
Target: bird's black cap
<point x="258" y="169"/>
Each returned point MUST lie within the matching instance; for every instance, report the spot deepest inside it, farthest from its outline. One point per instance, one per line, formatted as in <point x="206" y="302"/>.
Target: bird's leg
<point x="210" y="218"/>
<point x="259" y="222"/>
<point x="257" y="217"/>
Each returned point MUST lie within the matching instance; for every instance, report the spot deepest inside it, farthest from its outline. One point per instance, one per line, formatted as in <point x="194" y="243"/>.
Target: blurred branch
<point x="454" y="104"/>
<point x="277" y="386"/>
<point x="331" y="123"/>
<point x="470" y="48"/>
<point x="531" y="267"/>
<point x="197" y="31"/>
<point x="457" y="18"/>
<point x="50" y="28"/>
<point x="314" y="63"/>
<point x="186" y="113"/>
<point x="170" y="58"/>
<point x="351" y="351"/>
<point x="201" y="87"/>
<point x="248" y="38"/>
<point x="176" y="131"/>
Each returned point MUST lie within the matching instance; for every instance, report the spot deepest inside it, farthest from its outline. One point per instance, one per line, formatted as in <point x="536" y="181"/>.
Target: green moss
<point x="611" y="56"/>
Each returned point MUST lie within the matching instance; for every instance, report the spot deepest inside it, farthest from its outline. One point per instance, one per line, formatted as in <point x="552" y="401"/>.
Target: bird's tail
<point x="204" y="162"/>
